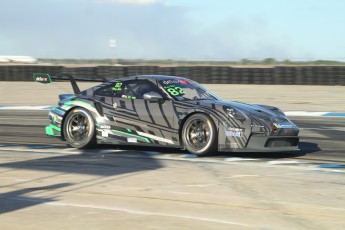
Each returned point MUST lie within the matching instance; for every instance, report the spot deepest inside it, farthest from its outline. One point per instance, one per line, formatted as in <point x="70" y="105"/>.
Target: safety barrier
<point x="279" y="75"/>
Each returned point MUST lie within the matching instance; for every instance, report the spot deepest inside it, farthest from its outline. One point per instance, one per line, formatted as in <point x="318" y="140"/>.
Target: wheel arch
<point x="95" y="105"/>
<point x="63" y="120"/>
<point x="191" y="113"/>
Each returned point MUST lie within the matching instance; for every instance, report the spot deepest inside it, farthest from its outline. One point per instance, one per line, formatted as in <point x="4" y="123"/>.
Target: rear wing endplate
<point x="46" y="79"/>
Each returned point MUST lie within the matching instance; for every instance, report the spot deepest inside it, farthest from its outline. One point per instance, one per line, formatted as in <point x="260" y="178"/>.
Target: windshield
<point x="186" y="90"/>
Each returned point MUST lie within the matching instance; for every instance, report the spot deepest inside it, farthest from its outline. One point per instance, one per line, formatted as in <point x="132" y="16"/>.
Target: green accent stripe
<point x="77" y="101"/>
<point x="58" y="110"/>
<point x="67" y="107"/>
<point x="133" y="135"/>
<point x="129" y="130"/>
<point x="55" y="127"/>
<point x="51" y="129"/>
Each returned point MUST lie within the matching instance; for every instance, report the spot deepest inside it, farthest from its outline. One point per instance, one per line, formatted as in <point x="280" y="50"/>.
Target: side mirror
<point x="153" y="96"/>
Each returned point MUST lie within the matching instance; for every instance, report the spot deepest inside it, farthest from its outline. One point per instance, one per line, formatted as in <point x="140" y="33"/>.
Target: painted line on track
<point x="133" y="211"/>
<point x="288" y="113"/>
<point x="314" y="114"/>
<point x="45" y="107"/>
<point x="330" y="167"/>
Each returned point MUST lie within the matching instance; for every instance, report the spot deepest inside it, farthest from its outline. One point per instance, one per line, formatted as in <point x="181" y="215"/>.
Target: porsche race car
<point x="168" y="111"/>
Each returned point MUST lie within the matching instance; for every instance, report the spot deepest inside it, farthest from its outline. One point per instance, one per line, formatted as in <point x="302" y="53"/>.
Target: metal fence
<point x="280" y="75"/>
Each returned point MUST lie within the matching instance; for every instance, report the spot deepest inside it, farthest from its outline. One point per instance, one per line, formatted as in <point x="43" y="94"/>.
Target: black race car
<point x="169" y="111"/>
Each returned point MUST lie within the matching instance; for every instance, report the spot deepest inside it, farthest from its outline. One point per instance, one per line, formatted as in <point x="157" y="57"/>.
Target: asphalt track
<point x="322" y="138"/>
<point x="47" y="185"/>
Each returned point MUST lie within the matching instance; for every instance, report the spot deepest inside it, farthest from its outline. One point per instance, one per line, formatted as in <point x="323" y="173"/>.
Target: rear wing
<point x="46" y="79"/>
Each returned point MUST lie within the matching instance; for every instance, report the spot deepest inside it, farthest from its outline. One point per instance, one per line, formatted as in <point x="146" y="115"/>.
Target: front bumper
<point x="55" y="116"/>
<point x="259" y="143"/>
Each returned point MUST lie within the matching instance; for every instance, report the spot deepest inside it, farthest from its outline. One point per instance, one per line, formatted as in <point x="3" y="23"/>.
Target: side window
<point x="105" y="91"/>
<point x="136" y="89"/>
<point x="133" y="89"/>
<point x="114" y="89"/>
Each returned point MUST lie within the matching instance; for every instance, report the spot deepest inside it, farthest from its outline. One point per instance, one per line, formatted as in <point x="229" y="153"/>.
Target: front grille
<point x="281" y="142"/>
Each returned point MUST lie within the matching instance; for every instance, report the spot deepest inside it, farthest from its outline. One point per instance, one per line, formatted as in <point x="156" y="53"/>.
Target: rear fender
<point x="92" y="106"/>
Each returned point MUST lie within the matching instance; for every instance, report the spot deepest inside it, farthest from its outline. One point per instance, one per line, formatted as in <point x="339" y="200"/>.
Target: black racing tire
<point x="199" y="135"/>
<point x="79" y="129"/>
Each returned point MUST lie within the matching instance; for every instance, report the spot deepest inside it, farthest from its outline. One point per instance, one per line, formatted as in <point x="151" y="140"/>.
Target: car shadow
<point x="98" y="168"/>
<point x="19" y="199"/>
<point x="305" y="149"/>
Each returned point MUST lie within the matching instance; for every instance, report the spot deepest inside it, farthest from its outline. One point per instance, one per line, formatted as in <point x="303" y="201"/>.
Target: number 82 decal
<point x="175" y="91"/>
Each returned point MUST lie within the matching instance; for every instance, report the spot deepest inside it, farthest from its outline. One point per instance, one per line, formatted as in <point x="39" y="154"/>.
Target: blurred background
<point x="236" y="42"/>
<point x="284" y="53"/>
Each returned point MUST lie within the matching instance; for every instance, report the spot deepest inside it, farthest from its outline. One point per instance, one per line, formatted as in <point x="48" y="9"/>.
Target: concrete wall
<point x="287" y="75"/>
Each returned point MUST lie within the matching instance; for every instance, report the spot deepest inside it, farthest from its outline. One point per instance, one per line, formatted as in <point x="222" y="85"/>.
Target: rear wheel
<point x="199" y="135"/>
<point x="79" y="129"/>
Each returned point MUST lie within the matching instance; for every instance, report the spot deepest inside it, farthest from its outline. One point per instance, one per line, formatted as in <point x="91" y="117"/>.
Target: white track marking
<point x="70" y="149"/>
<point x="285" y="162"/>
<point x="199" y="185"/>
<point x="326" y="129"/>
<point x="240" y="176"/>
<point x="25" y="107"/>
<point x="240" y="159"/>
<point x="134" y="211"/>
<point x="304" y="113"/>
<point x="26" y="119"/>
<point x="111" y="151"/>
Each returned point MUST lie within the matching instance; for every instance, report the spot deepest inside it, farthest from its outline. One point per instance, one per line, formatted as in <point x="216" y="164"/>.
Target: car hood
<point x="253" y="110"/>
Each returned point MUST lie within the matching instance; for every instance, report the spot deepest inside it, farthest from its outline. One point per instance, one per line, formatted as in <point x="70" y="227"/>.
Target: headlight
<point x="236" y="114"/>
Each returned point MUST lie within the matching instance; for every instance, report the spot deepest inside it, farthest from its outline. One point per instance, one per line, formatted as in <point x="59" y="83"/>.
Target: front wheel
<point x="199" y="135"/>
<point x="79" y="128"/>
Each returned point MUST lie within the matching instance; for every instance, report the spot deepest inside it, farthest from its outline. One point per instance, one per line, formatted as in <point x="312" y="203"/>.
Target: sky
<point x="211" y="30"/>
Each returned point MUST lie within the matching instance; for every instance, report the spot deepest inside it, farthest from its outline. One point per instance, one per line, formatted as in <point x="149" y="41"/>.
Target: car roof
<point x="150" y="77"/>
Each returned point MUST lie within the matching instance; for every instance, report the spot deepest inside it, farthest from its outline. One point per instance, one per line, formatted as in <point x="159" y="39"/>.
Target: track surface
<point x="322" y="138"/>
<point x="154" y="188"/>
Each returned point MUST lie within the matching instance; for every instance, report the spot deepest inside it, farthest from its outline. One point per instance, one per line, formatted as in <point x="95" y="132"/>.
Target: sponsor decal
<point x="117" y="86"/>
<point x="174" y="90"/>
<point x="104" y="126"/>
<point x="235" y="129"/>
<point x="233" y="134"/>
<point x="104" y="133"/>
<point x="285" y="126"/>
<point x="128" y="97"/>
<point x="282" y="125"/>
<point x="42" y="78"/>
<point x="55" y="119"/>
<point x="168" y="82"/>
<point x="182" y="82"/>
<point x="132" y="140"/>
